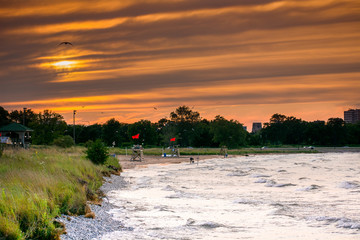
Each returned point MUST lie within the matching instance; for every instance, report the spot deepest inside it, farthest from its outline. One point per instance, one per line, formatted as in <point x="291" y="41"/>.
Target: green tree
<point x="228" y="132"/>
<point x="4" y="117"/>
<point x="254" y="139"/>
<point x="47" y="126"/>
<point x="353" y="133"/>
<point x="316" y="134"/>
<point x="148" y="134"/>
<point x="166" y="129"/>
<point x="202" y="135"/>
<point x="184" y="114"/>
<point x="336" y="131"/>
<point x="284" y="130"/>
<point x="184" y="120"/>
<point x="277" y="118"/>
<point x="274" y="131"/>
<point x="20" y="116"/>
<point x="295" y="130"/>
<point x="114" y="132"/>
<point x="79" y="132"/>
<point x="91" y="132"/>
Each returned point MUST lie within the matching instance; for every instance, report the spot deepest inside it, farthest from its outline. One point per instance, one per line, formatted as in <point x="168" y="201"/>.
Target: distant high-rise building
<point x="245" y="128"/>
<point x="352" y="116"/>
<point x="256" y="127"/>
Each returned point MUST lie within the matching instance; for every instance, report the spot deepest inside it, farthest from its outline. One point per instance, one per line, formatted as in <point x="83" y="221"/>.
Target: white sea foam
<point x="349" y="185"/>
<point x="261" y="180"/>
<point x="340" y="222"/>
<point x="302" y="196"/>
<point x="259" y="175"/>
<point x="238" y="173"/>
<point x="309" y="188"/>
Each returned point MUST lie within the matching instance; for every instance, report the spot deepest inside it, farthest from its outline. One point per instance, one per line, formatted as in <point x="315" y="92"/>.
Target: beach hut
<point x="18" y="133"/>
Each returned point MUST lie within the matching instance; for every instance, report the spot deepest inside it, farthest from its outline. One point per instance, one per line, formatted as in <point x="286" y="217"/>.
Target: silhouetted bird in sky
<point x="66" y="43"/>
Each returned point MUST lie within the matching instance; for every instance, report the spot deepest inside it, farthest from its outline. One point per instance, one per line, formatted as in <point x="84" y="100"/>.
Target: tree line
<point x="187" y="128"/>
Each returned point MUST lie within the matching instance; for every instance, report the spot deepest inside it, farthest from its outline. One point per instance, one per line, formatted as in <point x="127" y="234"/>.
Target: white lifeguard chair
<point x="137" y="153"/>
<point x="175" y="151"/>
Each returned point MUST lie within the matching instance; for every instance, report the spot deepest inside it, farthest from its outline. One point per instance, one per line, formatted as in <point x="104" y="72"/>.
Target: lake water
<point x="295" y="196"/>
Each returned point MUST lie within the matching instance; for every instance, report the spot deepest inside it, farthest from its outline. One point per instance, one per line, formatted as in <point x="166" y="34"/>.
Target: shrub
<point x="88" y="143"/>
<point x="64" y="141"/>
<point x="97" y="152"/>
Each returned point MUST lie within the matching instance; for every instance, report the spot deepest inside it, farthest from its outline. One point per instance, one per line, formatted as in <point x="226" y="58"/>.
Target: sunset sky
<point x="141" y="59"/>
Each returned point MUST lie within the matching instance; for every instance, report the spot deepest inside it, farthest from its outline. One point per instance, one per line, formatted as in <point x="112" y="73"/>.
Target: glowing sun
<point x="64" y="64"/>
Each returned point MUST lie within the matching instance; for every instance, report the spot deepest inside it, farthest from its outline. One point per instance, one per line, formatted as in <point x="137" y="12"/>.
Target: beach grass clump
<point x="37" y="185"/>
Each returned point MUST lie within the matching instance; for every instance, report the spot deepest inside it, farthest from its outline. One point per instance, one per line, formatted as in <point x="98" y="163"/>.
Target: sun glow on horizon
<point x="64" y="64"/>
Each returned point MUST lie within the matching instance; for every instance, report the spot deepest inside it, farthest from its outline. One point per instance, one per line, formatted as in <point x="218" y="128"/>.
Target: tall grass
<point x="39" y="184"/>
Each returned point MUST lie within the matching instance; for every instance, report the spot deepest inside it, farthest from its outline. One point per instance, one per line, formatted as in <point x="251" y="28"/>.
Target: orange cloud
<point x="242" y="59"/>
<point x="55" y="8"/>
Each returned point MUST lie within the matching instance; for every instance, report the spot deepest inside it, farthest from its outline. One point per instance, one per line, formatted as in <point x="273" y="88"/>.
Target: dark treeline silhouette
<point x="188" y="129"/>
<point x="290" y="130"/>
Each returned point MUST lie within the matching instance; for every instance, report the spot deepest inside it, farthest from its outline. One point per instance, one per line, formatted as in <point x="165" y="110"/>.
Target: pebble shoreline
<point x="79" y="227"/>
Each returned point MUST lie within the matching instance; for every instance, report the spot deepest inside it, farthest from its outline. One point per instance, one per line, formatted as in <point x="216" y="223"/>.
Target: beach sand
<point x="152" y="159"/>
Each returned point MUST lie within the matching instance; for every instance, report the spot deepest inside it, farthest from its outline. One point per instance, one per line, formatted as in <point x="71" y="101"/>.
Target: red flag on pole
<point x="172" y="139"/>
<point x="136" y="136"/>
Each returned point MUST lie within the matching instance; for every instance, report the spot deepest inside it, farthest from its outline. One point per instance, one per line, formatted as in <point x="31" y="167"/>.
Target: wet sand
<point x="152" y="159"/>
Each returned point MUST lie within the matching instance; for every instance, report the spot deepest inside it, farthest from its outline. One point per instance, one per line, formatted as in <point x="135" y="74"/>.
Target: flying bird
<point x="155" y="108"/>
<point x="66" y="43"/>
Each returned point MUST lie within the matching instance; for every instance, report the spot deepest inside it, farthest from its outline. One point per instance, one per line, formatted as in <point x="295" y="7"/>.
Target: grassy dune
<point x="39" y="184"/>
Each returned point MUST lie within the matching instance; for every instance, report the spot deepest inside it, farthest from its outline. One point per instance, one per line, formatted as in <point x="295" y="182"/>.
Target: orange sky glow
<point x="141" y="59"/>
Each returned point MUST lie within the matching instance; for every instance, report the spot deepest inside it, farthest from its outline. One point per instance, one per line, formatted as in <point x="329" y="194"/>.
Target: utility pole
<point x="24" y="112"/>
<point x="74" y="125"/>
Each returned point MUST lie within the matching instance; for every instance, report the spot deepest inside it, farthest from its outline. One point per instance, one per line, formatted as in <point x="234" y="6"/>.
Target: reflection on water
<point x="297" y="196"/>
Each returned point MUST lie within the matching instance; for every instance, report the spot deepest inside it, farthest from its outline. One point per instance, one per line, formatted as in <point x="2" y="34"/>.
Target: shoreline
<point x="125" y="162"/>
<point x="154" y="159"/>
<point x="79" y="227"/>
